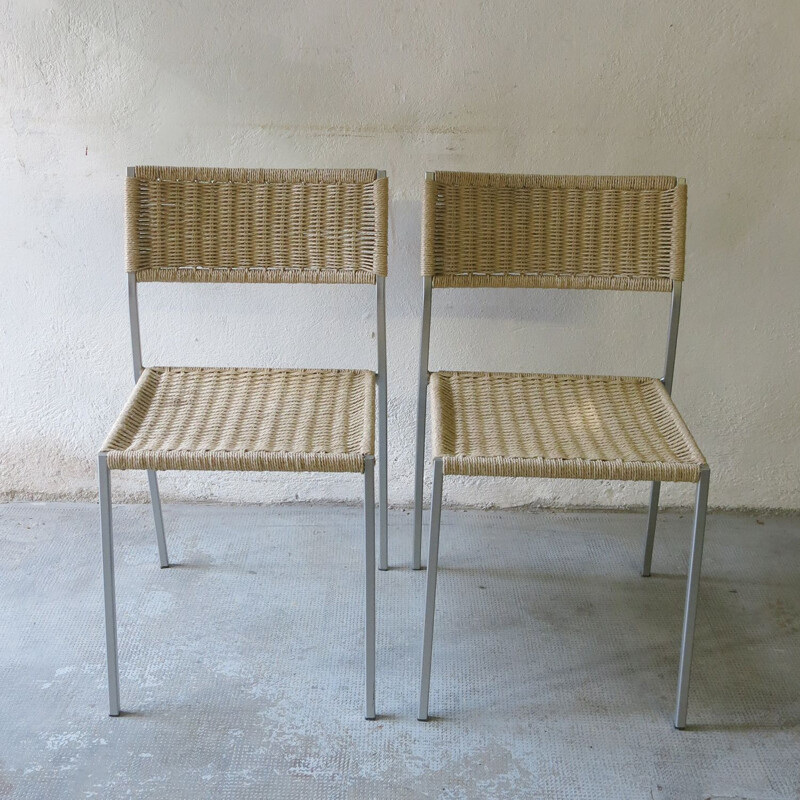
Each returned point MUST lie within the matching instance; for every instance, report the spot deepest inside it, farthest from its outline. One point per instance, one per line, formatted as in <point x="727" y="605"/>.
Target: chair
<point x="560" y="232"/>
<point x="251" y="226"/>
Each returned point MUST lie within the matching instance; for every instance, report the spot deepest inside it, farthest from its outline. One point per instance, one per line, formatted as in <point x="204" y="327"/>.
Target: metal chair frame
<point x="109" y="588"/>
<point x="701" y="502"/>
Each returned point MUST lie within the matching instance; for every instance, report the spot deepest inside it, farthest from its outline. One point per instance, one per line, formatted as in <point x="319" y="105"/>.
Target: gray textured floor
<point x="554" y="663"/>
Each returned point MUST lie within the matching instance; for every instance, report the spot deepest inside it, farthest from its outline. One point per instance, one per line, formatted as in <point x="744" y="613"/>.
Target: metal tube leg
<point x="692" y="587"/>
<point x="383" y="420"/>
<point x="155" y="501"/>
<point x="422" y="399"/>
<point x="419" y="480"/>
<point x="369" y="552"/>
<point x="651" y="529"/>
<point x="430" y="599"/>
<point x="108" y="586"/>
<point x="383" y="503"/>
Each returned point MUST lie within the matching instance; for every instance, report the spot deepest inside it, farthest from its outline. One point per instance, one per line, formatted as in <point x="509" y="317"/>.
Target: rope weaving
<point x="553" y="231"/>
<point x="246" y="419"/>
<point x="256" y="226"/>
<point x="560" y="426"/>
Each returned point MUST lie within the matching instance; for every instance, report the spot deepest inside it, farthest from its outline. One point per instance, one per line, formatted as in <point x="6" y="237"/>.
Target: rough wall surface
<point x="706" y="90"/>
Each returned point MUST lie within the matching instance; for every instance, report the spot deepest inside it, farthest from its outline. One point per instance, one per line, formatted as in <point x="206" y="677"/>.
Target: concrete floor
<point x="241" y="667"/>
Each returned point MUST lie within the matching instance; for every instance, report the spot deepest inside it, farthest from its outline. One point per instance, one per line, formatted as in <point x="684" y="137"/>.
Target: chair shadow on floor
<point x="597" y="633"/>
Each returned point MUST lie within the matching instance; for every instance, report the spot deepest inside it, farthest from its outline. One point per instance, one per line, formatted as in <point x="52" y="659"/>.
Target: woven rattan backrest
<point x="553" y="231"/>
<point x="256" y="226"/>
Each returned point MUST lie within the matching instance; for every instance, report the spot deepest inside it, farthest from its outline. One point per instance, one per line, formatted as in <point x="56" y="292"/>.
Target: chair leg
<point x="383" y="422"/>
<point x="155" y="501"/>
<point x="692" y="587"/>
<point x="383" y="477"/>
<point x="108" y="586"/>
<point x="651" y="529"/>
<point x="419" y="475"/>
<point x="369" y="552"/>
<point x="430" y="599"/>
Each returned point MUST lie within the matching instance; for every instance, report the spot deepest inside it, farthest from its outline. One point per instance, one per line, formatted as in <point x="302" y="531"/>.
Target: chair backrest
<point x="256" y="225"/>
<point x="186" y="224"/>
<point x="553" y="231"/>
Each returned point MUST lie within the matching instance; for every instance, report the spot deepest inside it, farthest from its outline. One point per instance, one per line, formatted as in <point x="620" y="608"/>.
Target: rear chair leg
<point x="419" y="475"/>
<point x="430" y="599"/>
<point x="422" y="399"/>
<point x="651" y="529"/>
<point x="155" y="500"/>
<point x="369" y="553"/>
<point x="692" y="587"/>
<point x="108" y="586"/>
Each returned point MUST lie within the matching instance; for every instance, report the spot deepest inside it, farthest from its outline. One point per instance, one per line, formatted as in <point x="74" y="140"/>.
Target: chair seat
<point x="246" y="419"/>
<point x="560" y="426"/>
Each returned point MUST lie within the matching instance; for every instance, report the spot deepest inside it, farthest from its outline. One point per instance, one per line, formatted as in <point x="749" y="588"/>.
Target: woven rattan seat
<point x="246" y="419"/>
<point x="560" y="426"/>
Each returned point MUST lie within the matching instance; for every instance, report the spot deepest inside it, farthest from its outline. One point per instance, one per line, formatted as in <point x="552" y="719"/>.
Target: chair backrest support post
<point x="133" y="313"/>
<point x="674" y="320"/>
<point x="425" y="339"/>
<point x="380" y="286"/>
<point x="136" y="340"/>
<point x="672" y="338"/>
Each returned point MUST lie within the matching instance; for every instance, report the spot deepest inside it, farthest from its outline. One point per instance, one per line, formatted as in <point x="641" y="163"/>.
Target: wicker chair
<point x="555" y="232"/>
<point x="251" y="226"/>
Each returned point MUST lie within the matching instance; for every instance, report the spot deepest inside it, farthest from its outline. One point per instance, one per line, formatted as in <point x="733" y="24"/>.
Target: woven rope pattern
<point x="246" y="419"/>
<point x="560" y="426"/>
<point x="256" y="226"/>
<point x="553" y="231"/>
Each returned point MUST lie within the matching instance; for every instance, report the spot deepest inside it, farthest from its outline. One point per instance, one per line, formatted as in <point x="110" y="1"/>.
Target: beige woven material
<point x="246" y="419"/>
<point x="554" y="231"/>
<point x="560" y="426"/>
<point x="256" y="226"/>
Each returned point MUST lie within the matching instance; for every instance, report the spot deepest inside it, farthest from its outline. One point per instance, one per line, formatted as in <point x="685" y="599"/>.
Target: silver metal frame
<point x="152" y="479"/>
<point x="383" y="421"/>
<point x="104" y="477"/>
<point x="693" y="578"/>
<point x="369" y="610"/>
<point x="430" y="595"/>
<point x="109" y="591"/>
<point x="422" y="403"/>
<point x="692" y="590"/>
<point x="669" y="369"/>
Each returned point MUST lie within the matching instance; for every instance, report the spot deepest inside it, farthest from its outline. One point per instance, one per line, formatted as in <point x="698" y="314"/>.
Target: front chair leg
<point x="108" y="586"/>
<point x="369" y="553"/>
<point x="158" y="518"/>
<point x="692" y="587"/>
<point x="430" y="599"/>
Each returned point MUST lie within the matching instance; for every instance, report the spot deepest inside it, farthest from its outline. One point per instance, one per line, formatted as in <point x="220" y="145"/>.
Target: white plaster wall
<point x="701" y="88"/>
